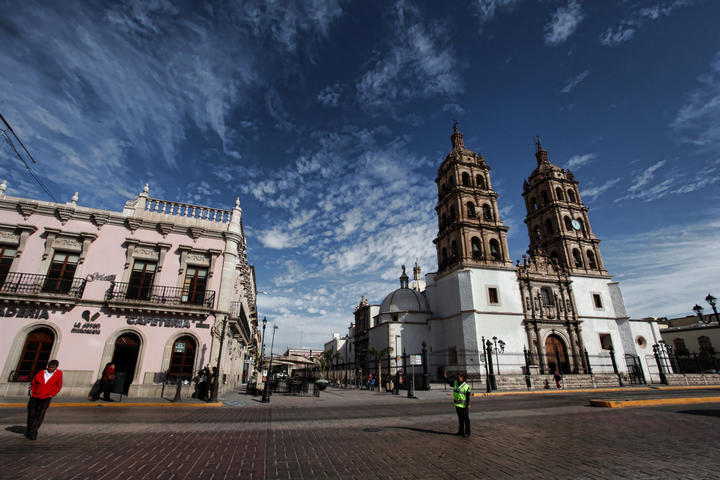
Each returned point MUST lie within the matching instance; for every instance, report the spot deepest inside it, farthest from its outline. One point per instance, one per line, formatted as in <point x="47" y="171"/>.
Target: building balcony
<point x="237" y="314"/>
<point x="26" y="284"/>
<point x="160" y="295"/>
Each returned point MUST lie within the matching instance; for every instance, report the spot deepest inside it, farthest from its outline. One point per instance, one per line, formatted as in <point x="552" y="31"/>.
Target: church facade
<point x="557" y="309"/>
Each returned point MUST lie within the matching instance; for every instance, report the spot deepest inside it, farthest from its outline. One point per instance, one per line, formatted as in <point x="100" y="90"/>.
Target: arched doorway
<point x="182" y="359"/>
<point x="556" y="354"/>
<point x="127" y="348"/>
<point x="35" y="354"/>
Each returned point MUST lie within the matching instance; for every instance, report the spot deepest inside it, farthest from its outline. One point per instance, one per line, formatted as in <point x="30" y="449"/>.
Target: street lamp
<point x="347" y="340"/>
<point x="396" y="352"/>
<point x="216" y="385"/>
<point x="266" y="391"/>
<point x="491" y="384"/>
<point x="499" y="345"/>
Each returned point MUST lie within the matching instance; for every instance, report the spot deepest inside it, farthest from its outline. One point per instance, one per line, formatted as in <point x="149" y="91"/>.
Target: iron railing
<point x="160" y="295"/>
<point x="34" y="284"/>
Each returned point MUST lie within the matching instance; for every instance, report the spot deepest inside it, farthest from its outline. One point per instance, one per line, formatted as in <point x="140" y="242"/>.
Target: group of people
<point x="204" y="382"/>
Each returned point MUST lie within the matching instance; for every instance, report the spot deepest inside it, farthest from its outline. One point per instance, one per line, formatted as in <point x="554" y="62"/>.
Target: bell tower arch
<point x="470" y="232"/>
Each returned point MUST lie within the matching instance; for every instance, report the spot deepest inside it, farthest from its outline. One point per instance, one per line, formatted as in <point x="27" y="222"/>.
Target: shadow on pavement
<point x="424" y="430"/>
<point x="16" y="429"/>
<point x="707" y="413"/>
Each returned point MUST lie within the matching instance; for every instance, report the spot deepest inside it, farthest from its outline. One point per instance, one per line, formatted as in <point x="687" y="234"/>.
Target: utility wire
<point x="17" y="138"/>
<point x="6" y="137"/>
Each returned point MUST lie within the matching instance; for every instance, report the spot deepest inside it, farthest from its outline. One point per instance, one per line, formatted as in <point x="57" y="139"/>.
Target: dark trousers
<point x="36" y="408"/>
<point x="463" y="420"/>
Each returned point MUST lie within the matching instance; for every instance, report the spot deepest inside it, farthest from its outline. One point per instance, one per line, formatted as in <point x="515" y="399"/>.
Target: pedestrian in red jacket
<point x="45" y="385"/>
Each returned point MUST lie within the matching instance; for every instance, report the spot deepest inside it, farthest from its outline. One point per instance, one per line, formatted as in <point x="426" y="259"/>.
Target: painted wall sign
<point x="23" y="312"/>
<point x="88" y="328"/>
<point x="164" y="322"/>
<point x="99" y="276"/>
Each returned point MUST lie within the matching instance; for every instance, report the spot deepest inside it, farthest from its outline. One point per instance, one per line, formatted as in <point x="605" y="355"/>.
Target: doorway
<point x="556" y="354"/>
<point x="127" y="348"/>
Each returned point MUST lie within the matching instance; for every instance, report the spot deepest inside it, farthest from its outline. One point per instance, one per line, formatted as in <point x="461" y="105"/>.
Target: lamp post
<point x="396" y="352"/>
<point x="266" y="391"/>
<point x="499" y="345"/>
<point x="492" y="385"/>
<point x="657" y="351"/>
<point x="347" y="340"/>
<point x="216" y="385"/>
<point x="699" y="310"/>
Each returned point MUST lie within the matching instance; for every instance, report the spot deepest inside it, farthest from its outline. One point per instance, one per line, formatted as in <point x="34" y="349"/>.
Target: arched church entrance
<point x="127" y="348"/>
<point x="35" y="354"/>
<point x="556" y="354"/>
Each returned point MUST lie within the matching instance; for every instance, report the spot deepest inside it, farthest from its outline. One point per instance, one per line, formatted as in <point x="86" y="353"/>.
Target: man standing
<point x="45" y="385"/>
<point x="461" y="399"/>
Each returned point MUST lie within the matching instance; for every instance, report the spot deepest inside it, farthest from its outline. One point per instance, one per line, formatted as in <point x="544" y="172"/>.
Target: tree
<point x="326" y="360"/>
<point x="378" y="357"/>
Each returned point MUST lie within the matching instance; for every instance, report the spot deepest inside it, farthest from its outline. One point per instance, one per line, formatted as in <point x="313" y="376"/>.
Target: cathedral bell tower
<point x="470" y="231"/>
<point x="557" y="220"/>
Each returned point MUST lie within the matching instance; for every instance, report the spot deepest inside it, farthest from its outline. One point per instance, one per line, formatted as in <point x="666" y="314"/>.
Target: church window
<point x="559" y="194"/>
<point x="554" y="257"/>
<point x="453" y="252"/>
<point x="568" y="305"/>
<point x="470" y="209"/>
<point x="444" y="221"/>
<point x="7" y="254"/>
<point x="538" y="234"/>
<point x="568" y="224"/>
<point x="680" y="347"/>
<point x="480" y="181"/>
<point x="533" y="203"/>
<point x="591" y="259"/>
<point x="548" y="227"/>
<point x="705" y="345"/>
<point x="605" y="341"/>
<point x="571" y="196"/>
<point x="465" y="179"/>
<point x="476" y="248"/>
<point x="453" y="213"/>
<point x="394" y="317"/>
<point x="494" y="249"/>
<point x="444" y="257"/>
<point x="527" y="303"/>
<point x="545" y="198"/>
<point x="487" y="212"/>
<point x="493" y="297"/>
<point x="577" y="258"/>
<point x="546" y="297"/>
<point x="597" y="301"/>
<point x="452" y="356"/>
<point x="451" y="182"/>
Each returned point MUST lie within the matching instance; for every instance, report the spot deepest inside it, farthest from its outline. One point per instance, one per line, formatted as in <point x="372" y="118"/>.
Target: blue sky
<point x="329" y="119"/>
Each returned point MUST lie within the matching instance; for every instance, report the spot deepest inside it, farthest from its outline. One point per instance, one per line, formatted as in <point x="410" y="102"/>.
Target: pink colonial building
<point x="153" y="288"/>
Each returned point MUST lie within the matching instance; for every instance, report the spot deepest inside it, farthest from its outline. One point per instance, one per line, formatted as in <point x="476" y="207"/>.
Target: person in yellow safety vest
<point x="461" y="400"/>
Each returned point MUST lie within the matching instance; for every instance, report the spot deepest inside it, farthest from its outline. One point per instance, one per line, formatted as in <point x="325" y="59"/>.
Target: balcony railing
<point x="35" y="284"/>
<point x="236" y="311"/>
<point x="160" y="295"/>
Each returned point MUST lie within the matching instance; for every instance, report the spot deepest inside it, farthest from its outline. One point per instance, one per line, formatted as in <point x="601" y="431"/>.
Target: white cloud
<point x="573" y="82"/>
<point x="420" y="63"/>
<point x="625" y="31"/>
<point x="487" y="10"/>
<point x="564" y="22"/>
<point x="591" y="192"/>
<point x="330" y="95"/>
<point x="577" y="161"/>
<point x="668" y="270"/>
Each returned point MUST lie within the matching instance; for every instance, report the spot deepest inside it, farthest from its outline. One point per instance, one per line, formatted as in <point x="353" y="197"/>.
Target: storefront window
<point x="35" y="354"/>
<point x="183" y="357"/>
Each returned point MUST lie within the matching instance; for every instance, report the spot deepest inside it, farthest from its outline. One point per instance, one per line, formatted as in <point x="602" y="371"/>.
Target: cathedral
<point x="557" y="309"/>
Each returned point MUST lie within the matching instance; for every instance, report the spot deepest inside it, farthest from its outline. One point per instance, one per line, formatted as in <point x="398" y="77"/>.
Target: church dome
<point x="404" y="300"/>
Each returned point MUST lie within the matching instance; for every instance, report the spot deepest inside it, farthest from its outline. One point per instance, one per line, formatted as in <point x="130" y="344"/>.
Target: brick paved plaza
<point x="359" y="434"/>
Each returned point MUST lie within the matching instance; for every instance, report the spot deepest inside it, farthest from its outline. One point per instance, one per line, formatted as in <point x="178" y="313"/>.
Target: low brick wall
<point x="693" y="379"/>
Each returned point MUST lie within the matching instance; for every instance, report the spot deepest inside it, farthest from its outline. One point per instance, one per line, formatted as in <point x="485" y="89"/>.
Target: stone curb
<point x="118" y="404"/>
<point x="652" y="402"/>
<point x="592" y="390"/>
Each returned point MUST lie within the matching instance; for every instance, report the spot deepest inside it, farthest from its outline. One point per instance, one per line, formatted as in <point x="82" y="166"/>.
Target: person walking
<point x="44" y="386"/>
<point x="106" y="383"/>
<point x="461" y="400"/>
<point x="398" y="381"/>
<point x="557" y="376"/>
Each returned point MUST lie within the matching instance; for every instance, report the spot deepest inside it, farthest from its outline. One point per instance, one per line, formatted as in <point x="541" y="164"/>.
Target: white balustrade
<point x="178" y="209"/>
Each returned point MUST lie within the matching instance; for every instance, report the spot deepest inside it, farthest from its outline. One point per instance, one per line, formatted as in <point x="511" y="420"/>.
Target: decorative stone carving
<point x="26" y="209"/>
<point x="195" y="232"/>
<point x="132" y="224"/>
<point x="99" y="219"/>
<point x="66" y="243"/>
<point x="145" y="252"/>
<point x="9" y="237"/>
<point x="198" y="259"/>
<point x="64" y="214"/>
<point x="164" y="228"/>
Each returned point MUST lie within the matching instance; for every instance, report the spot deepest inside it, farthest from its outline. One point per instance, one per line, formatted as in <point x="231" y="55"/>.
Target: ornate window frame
<point x="16" y="236"/>
<point x="138" y="249"/>
<point x="18" y="342"/>
<point x="74" y="242"/>
<point x="196" y="257"/>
